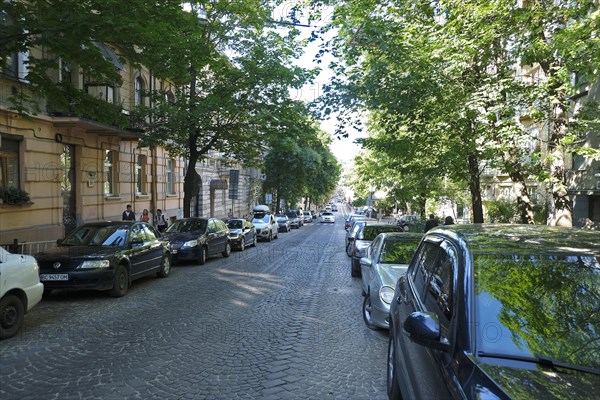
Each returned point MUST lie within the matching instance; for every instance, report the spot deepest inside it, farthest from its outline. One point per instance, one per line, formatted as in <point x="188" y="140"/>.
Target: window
<point x="170" y="189"/>
<point x="140" y="174"/>
<point x="110" y="161"/>
<point x="9" y="164"/>
<point x="139" y="91"/>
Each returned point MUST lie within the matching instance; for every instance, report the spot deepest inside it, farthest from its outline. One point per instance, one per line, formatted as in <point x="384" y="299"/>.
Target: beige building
<point x="76" y="170"/>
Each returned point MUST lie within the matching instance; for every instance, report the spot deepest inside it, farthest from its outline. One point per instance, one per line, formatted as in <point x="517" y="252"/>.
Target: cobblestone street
<point x="282" y="320"/>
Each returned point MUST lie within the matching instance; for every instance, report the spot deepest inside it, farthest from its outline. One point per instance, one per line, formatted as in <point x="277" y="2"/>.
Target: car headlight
<point x="386" y="294"/>
<point x="94" y="264"/>
<point x="191" y="243"/>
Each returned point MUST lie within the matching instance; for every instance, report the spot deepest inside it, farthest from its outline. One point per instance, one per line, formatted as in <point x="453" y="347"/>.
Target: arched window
<point x="139" y="91"/>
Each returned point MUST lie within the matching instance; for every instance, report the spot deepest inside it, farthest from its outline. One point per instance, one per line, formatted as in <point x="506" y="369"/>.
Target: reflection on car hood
<point x="63" y="252"/>
<point x="180" y="237"/>
<point x="390" y="273"/>
<point x="542" y="383"/>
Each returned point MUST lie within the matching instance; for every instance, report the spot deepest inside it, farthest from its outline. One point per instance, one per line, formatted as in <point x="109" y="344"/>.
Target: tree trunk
<point x="475" y="188"/>
<point x="523" y="200"/>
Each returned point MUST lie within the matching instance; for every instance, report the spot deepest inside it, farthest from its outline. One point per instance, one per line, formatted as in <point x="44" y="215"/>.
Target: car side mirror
<point x="351" y="238"/>
<point x="58" y="242"/>
<point x="424" y="328"/>
<point x="366" y="262"/>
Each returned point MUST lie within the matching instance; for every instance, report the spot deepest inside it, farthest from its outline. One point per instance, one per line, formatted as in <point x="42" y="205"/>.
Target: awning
<point x="218" y="184"/>
<point x="110" y="55"/>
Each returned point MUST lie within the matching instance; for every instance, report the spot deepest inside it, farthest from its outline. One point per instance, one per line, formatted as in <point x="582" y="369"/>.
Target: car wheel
<point x="393" y="388"/>
<point x="366" y="311"/>
<point x="12" y="312"/>
<point x="255" y="241"/>
<point x="165" y="266"/>
<point x="270" y="237"/>
<point x="121" y="282"/>
<point x="202" y="256"/>
<point x="354" y="270"/>
<point x="227" y="250"/>
<point x="243" y="243"/>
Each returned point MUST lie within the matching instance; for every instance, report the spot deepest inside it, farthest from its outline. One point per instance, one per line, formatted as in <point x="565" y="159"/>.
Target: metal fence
<point x="28" y="248"/>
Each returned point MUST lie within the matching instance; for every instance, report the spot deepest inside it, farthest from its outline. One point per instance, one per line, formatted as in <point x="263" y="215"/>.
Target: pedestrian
<point x="161" y="221"/>
<point x="430" y="223"/>
<point x="449" y="220"/>
<point x="128" y="214"/>
<point x="145" y="217"/>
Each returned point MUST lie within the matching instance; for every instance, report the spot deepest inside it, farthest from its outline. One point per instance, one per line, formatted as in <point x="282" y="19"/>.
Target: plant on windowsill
<point x="14" y="196"/>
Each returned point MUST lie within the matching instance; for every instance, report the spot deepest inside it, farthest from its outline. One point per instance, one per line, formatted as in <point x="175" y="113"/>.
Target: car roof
<point x="522" y="239"/>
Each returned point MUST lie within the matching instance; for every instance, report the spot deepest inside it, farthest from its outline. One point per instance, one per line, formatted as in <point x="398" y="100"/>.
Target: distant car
<point x="241" y="233"/>
<point x="351" y="218"/>
<point x="105" y="256"/>
<point x="386" y="259"/>
<point x="327" y="217"/>
<point x="307" y="217"/>
<point x="322" y="211"/>
<point x="497" y="312"/>
<point x="334" y="208"/>
<point x="284" y="222"/>
<point x="363" y="238"/>
<point x="300" y="215"/>
<point x="20" y="290"/>
<point x="266" y="226"/>
<point x="197" y="239"/>
<point x="294" y="220"/>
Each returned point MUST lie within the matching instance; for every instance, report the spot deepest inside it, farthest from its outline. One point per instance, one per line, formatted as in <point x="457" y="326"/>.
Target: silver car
<point x="386" y="259"/>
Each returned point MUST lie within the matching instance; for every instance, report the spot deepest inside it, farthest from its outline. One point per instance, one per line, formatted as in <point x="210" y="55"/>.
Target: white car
<point x="266" y="226"/>
<point x="328" y="217"/>
<point x="20" y="290"/>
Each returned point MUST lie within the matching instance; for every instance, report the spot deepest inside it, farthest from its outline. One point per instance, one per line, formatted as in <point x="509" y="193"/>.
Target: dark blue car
<point x="196" y="239"/>
<point x="498" y="312"/>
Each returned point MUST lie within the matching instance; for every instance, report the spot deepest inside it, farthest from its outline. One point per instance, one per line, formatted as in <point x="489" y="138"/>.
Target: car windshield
<point x="235" y="224"/>
<point x="539" y="306"/>
<point x="369" y="232"/>
<point x="292" y="215"/>
<point x="188" y="226"/>
<point x="327" y="213"/>
<point x="261" y="218"/>
<point x="97" y="235"/>
<point x="398" y="251"/>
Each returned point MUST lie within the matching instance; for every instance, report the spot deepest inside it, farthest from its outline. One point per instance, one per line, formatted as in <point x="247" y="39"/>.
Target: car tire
<point x="120" y="282"/>
<point x="393" y="388"/>
<point x="227" y="250"/>
<point x="366" y="312"/>
<point x="354" y="271"/>
<point x="202" y="256"/>
<point x="255" y="241"/>
<point x="12" y="313"/>
<point x="270" y="237"/>
<point x="243" y="243"/>
<point x="165" y="266"/>
<point x="348" y="250"/>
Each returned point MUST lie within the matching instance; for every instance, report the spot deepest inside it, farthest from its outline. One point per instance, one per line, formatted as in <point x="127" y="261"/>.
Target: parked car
<point x="328" y="217"/>
<point x="385" y="260"/>
<point x="294" y="219"/>
<point x="498" y="312"/>
<point x="241" y="233"/>
<point x="197" y="239"/>
<point x="307" y="217"/>
<point x="363" y="238"/>
<point x="300" y="215"/>
<point x="20" y="290"/>
<point x="351" y="233"/>
<point x="322" y="211"/>
<point x="351" y="218"/>
<point x="105" y="256"/>
<point x="334" y="208"/>
<point x="266" y="226"/>
<point x="284" y="222"/>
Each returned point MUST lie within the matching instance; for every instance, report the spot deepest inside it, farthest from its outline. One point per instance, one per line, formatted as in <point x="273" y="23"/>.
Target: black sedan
<point x="498" y="312"/>
<point x="242" y="233"/>
<point x="105" y="256"/>
<point x="196" y="239"/>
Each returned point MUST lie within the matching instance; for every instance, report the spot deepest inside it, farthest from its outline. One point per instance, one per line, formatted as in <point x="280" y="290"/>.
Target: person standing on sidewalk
<point x="128" y="214"/>
<point x="161" y="221"/>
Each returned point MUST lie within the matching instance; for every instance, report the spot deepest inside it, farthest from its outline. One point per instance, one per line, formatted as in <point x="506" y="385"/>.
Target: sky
<point x="344" y="149"/>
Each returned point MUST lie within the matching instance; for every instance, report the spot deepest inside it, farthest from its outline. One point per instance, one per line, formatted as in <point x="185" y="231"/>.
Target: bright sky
<point x="344" y="149"/>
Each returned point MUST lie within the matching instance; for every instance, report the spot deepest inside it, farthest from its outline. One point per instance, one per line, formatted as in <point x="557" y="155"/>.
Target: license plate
<point x="54" y="277"/>
<point x="173" y="251"/>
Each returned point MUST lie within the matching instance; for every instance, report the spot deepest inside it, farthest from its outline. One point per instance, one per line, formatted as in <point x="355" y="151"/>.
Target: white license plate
<point x="173" y="251"/>
<point x="54" y="277"/>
